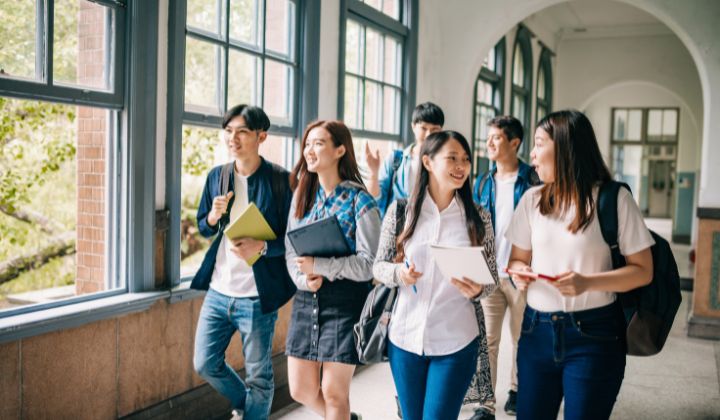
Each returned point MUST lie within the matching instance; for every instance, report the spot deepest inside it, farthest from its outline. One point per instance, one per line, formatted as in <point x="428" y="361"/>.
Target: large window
<point x="644" y="152"/>
<point x="488" y="103"/>
<point x="236" y="51"/>
<point x="521" y="85"/>
<point x="378" y="46"/>
<point x="544" y="85"/>
<point x="59" y="156"/>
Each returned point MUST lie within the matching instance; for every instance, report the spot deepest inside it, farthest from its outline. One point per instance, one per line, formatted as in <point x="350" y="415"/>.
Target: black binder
<point x="322" y="238"/>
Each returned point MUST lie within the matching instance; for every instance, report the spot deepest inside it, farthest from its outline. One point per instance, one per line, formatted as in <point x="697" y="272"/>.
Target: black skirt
<point x="321" y="325"/>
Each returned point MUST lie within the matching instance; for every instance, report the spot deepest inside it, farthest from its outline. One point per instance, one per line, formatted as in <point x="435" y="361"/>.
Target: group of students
<point x="444" y="332"/>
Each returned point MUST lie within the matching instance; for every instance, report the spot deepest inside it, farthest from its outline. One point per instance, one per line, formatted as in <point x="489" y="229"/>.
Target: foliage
<point x="36" y="138"/>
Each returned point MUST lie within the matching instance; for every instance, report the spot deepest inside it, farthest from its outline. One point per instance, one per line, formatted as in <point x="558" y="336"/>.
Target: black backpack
<point x="649" y="310"/>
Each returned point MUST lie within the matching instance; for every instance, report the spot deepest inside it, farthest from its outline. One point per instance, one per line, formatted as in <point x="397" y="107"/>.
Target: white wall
<point x="329" y="59"/>
<point x="450" y="31"/>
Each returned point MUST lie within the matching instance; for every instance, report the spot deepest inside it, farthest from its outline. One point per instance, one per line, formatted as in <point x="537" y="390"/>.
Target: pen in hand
<point x="407" y="265"/>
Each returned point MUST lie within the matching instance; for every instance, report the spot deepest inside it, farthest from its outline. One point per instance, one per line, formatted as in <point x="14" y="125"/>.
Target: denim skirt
<point x="321" y="324"/>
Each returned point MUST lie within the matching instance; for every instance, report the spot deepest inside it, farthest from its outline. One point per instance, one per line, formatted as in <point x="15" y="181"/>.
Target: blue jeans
<point x="432" y="387"/>
<point x="576" y="355"/>
<point x="219" y="318"/>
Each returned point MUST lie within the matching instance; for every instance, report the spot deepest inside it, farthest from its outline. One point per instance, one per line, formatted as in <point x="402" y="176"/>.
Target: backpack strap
<point x="225" y="173"/>
<point x="279" y="181"/>
<point x="608" y="218"/>
<point x="481" y="185"/>
<point x="397" y="160"/>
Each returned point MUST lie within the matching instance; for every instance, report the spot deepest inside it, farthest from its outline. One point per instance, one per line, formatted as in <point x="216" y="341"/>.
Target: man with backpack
<point x="242" y="297"/>
<point x="396" y="178"/>
<point x="499" y="191"/>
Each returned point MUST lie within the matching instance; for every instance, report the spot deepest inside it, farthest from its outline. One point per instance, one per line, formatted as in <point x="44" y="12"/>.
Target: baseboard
<point x="204" y="402"/>
<point x="703" y="327"/>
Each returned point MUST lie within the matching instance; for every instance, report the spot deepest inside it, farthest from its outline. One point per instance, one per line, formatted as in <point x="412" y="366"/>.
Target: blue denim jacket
<point x="486" y="198"/>
<point x="274" y="285"/>
<point x="402" y="187"/>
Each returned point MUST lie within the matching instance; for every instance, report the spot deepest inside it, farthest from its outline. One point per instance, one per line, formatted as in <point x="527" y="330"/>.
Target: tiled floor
<point x="682" y="382"/>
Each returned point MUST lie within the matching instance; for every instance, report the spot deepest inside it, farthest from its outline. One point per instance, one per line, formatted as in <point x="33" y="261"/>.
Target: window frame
<point x="305" y="109"/>
<point x="522" y="42"/>
<point x="495" y="77"/>
<point x="403" y="29"/>
<point x="545" y="67"/>
<point x="133" y="97"/>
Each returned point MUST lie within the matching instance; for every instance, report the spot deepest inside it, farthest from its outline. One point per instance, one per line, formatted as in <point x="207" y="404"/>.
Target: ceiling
<point x="595" y="18"/>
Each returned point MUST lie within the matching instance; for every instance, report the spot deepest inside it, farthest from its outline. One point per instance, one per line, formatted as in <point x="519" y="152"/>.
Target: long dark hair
<point x="579" y="167"/>
<point x="305" y="183"/>
<point x="430" y="147"/>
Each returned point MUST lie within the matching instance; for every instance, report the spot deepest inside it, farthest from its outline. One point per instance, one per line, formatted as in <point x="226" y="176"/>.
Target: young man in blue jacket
<point x="396" y="178"/>
<point x="242" y="297"/>
<point x="499" y="191"/>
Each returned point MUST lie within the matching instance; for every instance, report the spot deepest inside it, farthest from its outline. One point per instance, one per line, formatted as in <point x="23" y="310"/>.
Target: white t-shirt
<point x="556" y="250"/>
<point x="232" y="276"/>
<point x="437" y="320"/>
<point x="504" y="208"/>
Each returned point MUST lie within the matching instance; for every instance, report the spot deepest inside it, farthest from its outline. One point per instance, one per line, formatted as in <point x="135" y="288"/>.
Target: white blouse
<point x="556" y="250"/>
<point x="437" y="320"/>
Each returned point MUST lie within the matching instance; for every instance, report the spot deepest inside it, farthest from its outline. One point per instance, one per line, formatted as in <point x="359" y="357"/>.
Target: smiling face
<point x="241" y="141"/>
<point x="450" y="167"/>
<point x="499" y="147"/>
<point x="543" y="156"/>
<point x="320" y="152"/>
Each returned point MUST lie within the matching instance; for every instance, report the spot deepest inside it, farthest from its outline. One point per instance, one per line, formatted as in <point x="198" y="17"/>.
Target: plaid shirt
<point x="348" y="202"/>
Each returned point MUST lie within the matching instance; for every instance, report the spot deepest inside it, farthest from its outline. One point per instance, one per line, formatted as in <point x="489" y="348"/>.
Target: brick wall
<point x="91" y="154"/>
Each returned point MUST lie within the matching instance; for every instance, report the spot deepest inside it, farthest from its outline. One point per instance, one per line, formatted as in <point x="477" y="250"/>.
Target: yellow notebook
<point x="250" y="224"/>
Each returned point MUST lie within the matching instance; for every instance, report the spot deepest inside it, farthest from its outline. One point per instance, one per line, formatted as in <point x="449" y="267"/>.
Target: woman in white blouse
<point x="572" y="342"/>
<point x="436" y="332"/>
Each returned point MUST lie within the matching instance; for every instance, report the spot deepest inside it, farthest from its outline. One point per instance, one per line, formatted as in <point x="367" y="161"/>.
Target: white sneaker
<point x="237" y="415"/>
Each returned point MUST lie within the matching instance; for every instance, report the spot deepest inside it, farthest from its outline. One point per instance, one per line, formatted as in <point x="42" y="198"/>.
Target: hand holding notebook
<point x="250" y="224"/>
<point x="463" y="261"/>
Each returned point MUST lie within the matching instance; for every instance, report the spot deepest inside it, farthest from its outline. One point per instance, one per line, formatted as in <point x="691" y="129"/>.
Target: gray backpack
<point x="371" y="330"/>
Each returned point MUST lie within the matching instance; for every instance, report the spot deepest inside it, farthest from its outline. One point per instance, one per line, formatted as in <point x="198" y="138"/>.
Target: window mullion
<point x="224" y="69"/>
<point x="48" y="38"/>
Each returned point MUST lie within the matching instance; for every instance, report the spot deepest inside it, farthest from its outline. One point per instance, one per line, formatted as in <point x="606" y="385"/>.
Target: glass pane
<point x="246" y="21"/>
<point x="278" y="150"/>
<point x="280" y="24"/>
<point x="627" y="167"/>
<point x="353" y="52"/>
<point x="669" y="124"/>
<point x="352" y="100"/>
<point x="203" y="64"/>
<point x="518" y="67"/>
<point x="18" y="35"/>
<point x="391" y="110"/>
<point x="484" y="92"/>
<point x="489" y="61"/>
<point x="541" y="112"/>
<point x="278" y="96"/>
<point x="81" y="52"/>
<point x="620" y="122"/>
<point x="392" y="61"/>
<point x="373" y="54"/>
<point x="243" y="79"/>
<point x="654" y="128"/>
<point x="391" y="8"/>
<point x="519" y="107"/>
<point x="207" y="15"/>
<point x="375" y="4"/>
<point x="202" y="149"/>
<point x="373" y="97"/>
<point x="541" y="85"/>
<point x="635" y="128"/>
<point x="55" y="176"/>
